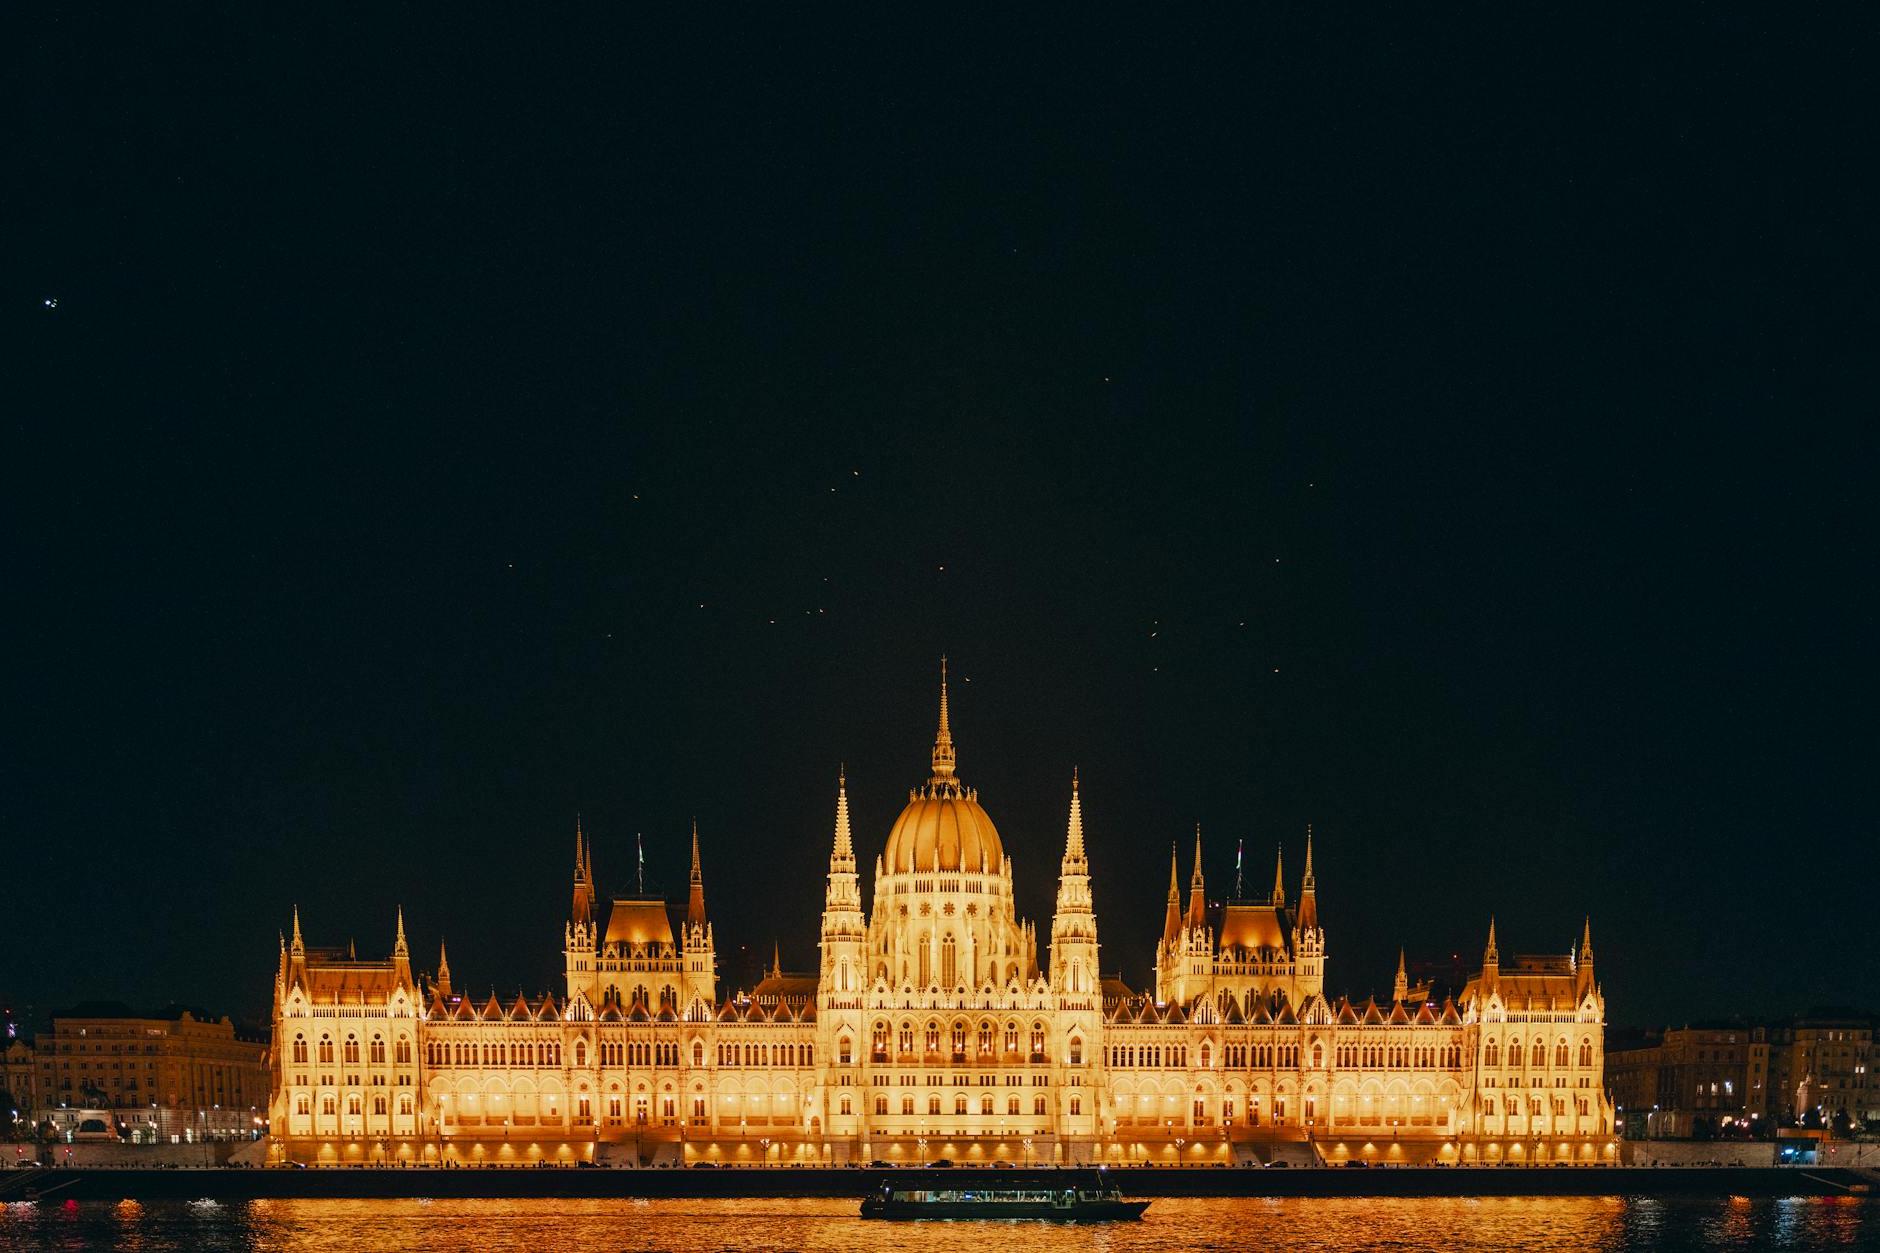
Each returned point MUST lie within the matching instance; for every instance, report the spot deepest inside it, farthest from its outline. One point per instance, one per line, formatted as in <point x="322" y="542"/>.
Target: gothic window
<point x="1037" y="1105"/>
<point x="1539" y="1055"/>
<point x="326" y="1050"/>
<point x="1560" y="1053"/>
<point x="959" y="1103"/>
<point x="1207" y="1055"/>
<point x="1318" y="1056"/>
<point x="959" y="1039"/>
<point x="378" y="1105"/>
<point x="580" y="1052"/>
<point x="926" y="963"/>
<point x="907" y="1105"/>
<point x="907" y="1037"/>
<point x="1077" y="1105"/>
<point x="933" y="1104"/>
<point x="843" y="1057"/>
<point x="1011" y="1037"/>
<point x="880" y="1049"/>
<point x="985" y="1038"/>
<point x="404" y="1103"/>
<point x="1037" y="1041"/>
<point x="933" y="1037"/>
<point x="300" y="1049"/>
<point x="326" y="1105"/>
<point x="847" y="1107"/>
<point x="881" y="1104"/>
<point x="1586" y="1052"/>
<point x="352" y="1050"/>
<point x="948" y="961"/>
<point x="1011" y="1105"/>
<point x="378" y="1051"/>
<point x="302" y="1105"/>
<point x="402" y="1051"/>
<point x="1493" y="1056"/>
<point x="1077" y="1051"/>
<point x="352" y="1104"/>
<point x="698" y="1053"/>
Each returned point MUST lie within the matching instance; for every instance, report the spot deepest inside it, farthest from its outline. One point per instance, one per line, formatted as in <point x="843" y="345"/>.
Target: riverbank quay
<point x="236" y="1184"/>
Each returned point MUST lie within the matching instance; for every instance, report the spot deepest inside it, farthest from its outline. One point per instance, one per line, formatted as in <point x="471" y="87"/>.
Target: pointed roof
<point x="1172" y="923"/>
<point x="1197" y="892"/>
<point x="300" y="945"/>
<point x="695" y="898"/>
<point x="1308" y="891"/>
<point x="943" y="753"/>
<point x="845" y="844"/>
<point x="399" y="948"/>
<point x="1279" y="874"/>
<point x="1074" y="839"/>
<point x="1586" y="940"/>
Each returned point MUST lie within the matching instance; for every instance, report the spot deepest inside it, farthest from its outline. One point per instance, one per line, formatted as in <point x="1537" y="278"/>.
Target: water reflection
<point x="539" y="1226"/>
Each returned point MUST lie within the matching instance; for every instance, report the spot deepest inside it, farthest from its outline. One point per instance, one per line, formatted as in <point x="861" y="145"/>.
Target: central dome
<point x="943" y="827"/>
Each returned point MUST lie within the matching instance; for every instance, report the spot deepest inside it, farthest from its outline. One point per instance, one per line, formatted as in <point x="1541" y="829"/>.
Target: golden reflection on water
<point x="812" y="1226"/>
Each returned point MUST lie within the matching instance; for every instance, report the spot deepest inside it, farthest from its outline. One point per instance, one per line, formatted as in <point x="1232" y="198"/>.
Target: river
<point x="1329" y="1226"/>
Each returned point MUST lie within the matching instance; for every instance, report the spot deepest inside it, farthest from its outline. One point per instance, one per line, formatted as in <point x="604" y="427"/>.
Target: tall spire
<point x="1279" y="875"/>
<point x="1491" y="956"/>
<point x="300" y="945"/>
<point x="582" y="908"/>
<point x="443" y="969"/>
<point x="1400" y="988"/>
<point x="1308" y="890"/>
<point x="1586" y="942"/>
<point x="1197" y="892"/>
<point x="943" y="739"/>
<point x="695" y="900"/>
<point x="776" y="959"/>
<point x="845" y="844"/>
<point x="1172" y="924"/>
<point x="398" y="946"/>
<point x="1074" y="841"/>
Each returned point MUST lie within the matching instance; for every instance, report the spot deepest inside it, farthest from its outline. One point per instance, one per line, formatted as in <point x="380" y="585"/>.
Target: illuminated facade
<point x="932" y="1029"/>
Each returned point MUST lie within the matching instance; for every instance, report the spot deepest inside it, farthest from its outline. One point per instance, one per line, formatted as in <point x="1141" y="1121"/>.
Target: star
<point x="52" y="302"/>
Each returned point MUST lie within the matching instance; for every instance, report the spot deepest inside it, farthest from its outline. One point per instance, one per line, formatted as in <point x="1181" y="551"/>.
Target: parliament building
<point x="932" y="1029"/>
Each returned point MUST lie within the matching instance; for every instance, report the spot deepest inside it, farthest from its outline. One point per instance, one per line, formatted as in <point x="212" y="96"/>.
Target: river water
<point x="543" y="1225"/>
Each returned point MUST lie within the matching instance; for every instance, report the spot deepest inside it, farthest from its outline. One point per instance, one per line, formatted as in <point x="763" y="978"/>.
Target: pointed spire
<point x="1172" y="923"/>
<point x="1586" y="942"/>
<point x="398" y="946"/>
<point x="1308" y="891"/>
<point x="1197" y="892"/>
<point x="1400" y="988"/>
<point x="582" y="908"/>
<point x="443" y="969"/>
<point x="1074" y="840"/>
<point x="1279" y="875"/>
<point x="1307" y="885"/>
<point x="1491" y="956"/>
<point x="776" y="960"/>
<point x="300" y="945"/>
<point x="943" y="756"/>
<point x="580" y="856"/>
<point x="845" y="844"/>
<point x="695" y="898"/>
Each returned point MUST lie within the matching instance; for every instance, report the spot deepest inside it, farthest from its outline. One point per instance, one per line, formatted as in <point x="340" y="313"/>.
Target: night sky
<point x="1455" y="436"/>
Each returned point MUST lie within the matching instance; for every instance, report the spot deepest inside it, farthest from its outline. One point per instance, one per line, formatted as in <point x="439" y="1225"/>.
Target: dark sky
<point x="1456" y="436"/>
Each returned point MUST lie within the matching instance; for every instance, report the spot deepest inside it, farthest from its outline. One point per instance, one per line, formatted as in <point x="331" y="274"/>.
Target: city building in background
<point x="164" y="1076"/>
<point x="933" y="1028"/>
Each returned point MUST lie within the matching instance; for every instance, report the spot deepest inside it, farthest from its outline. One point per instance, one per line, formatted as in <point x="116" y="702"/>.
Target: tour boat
<point x="1078" y="1198"/>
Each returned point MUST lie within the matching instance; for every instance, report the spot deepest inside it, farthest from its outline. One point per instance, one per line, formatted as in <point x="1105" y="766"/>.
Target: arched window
<point x="1037" y="1041"/>
<point x="1560" y="1053"/>
<point x="959" y="1040"/>
<point x="352" y="1050"/>
<point x="985" y="1038"/>
<point x="378" y="1051"/>
<point x="1207" y="1055"/>
<point x="404" y="1103"/>
<point x="580" y="1052"/>
<point x="949" y="969"/>
<point x="847" y="1106"/>
<point x="881" y="1104"/>
<point x="378" y="1105"/>
<point x="933" y="1104"/>
<point x="880" y="1047"/>
<point x="959" y="1102"/>
<point x="326" y="1050"/>
<point x="1077" y="1051"/>
<point x="843" y="1053"/>
<point x="1037" y="1105"/>
<point x="352" y="1104"/>
<point x="1011" y="1037"/>
<point x="1586" y="1052"/>
<point x="907" y="1037"/>
<point x="933" y="1037"/>
<point x="402" y="1051"/>
<point x="1491" y="1056"/>
<point x="1514" y="1052"/>
<point x="985" y="1103"/>
<point x="300" y="1049"/>
<point x="907" y="1105"/>
<point x="1318" y="1055"/>
<point x="1538" y="1056"/>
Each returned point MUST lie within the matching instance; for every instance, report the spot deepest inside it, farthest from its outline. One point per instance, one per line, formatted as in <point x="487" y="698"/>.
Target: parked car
<point x="941" y="1163"/>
